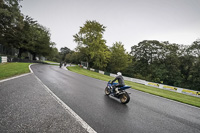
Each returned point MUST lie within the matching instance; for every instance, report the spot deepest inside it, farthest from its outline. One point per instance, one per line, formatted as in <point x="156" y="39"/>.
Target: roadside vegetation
<point x="50" y="61"/>
<point x="195" y="101"/>
<point x="152" y="60"/>
<point x="12" y="69"/>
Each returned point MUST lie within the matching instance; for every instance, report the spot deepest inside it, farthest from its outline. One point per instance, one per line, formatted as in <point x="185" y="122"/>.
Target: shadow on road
<point x="112" y="103"/>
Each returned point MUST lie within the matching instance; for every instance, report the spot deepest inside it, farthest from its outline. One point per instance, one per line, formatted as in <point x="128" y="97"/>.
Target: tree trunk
<point x="34" y="56"/>
<point x="20" y="53"/>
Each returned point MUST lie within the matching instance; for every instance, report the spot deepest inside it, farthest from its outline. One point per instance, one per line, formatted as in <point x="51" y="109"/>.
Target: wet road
<point x="144" y="112"/>
<point x="26" y="107"/>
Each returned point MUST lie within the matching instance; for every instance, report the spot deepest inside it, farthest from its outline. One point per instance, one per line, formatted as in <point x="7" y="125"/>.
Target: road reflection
<point x="112" y="103"/>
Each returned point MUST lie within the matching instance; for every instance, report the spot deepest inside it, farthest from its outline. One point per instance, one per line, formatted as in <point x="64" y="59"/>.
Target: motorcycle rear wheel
<point x="107" y="91"/>
<point x="124" y="98"/>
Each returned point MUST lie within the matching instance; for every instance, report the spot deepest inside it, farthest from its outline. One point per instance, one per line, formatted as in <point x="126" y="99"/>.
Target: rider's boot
<point x="116" y="90"/>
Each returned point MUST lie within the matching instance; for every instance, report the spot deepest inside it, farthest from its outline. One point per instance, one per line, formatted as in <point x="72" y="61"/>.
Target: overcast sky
<point x="127" y="21"/>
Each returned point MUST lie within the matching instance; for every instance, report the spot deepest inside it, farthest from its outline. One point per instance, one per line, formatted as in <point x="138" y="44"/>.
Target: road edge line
<point x="68" y="109"/>
<point x="30" y="68"/>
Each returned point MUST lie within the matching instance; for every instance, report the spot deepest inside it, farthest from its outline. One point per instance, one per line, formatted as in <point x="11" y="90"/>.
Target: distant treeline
<point x="161" y="62"/>
<point x="22" y="32"/>
<point x="151" y="60"/>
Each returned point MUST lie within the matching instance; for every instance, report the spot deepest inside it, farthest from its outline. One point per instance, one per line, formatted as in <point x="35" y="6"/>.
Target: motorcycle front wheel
<point x="107" y="91"/>
<point x="124" y="98"/>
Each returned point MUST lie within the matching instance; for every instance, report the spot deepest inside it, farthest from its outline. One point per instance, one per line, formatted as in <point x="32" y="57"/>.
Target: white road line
<point x="68" y="109"/>
<point x="14" y="77"/>
<point x="30" y="68"/>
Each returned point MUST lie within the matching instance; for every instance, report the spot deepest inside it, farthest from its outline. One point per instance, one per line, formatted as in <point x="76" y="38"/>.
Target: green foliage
<point x="89" y="73"/>
<point x="195" y="101"/>
<point x="119" y="58"/>
<point x="11" y="21"/>
<point x="151" y="60"/>
<point x="39" y="44"/>
<point x="145" y="53"/>
<point x="91" y="44"/>
<point x="53" y="53"/>
<point x="22" y="33"/>
<point x="166" y="63"/>
<point x="194" y="76"/>
<point x="73" y="57"/>
<point x="64" y="51"/>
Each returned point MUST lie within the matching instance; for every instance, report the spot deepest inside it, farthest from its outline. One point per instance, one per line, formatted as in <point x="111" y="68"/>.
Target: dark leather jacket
<point x="120" y="80"/>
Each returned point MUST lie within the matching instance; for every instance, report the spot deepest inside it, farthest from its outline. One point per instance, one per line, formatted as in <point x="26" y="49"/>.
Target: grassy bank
<point x="50" y="61"/>
<point x="195" y="101"/>
<point x="12" y="69"/>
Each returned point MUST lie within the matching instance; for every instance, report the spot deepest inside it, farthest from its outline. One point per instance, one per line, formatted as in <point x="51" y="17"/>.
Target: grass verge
<point x="195" y="101"/>
<point x="50" y="61"/>
<point x="12" y="69"/>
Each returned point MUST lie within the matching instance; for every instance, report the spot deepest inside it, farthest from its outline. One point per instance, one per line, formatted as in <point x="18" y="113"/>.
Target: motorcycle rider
<point x="120" y="82"/>
<point x="61" y="63"/>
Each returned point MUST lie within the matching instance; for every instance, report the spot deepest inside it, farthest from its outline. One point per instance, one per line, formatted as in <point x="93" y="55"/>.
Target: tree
<point x="73" y="57"/>
<point x="158" y="62"/>
<point x="54" y="54"/>
<point x="195" y="48"/>
<point x="39" y="42"/>
<point x="119" y="58"/>
<point x="11" y="22"/>
<point x="194" y="77"/>
<point x="25" y="36"/>
<point x="146" y="53"/>
<point x="22" y="33"/>
<point x="187" y="60"/>
<point x="64" y="51"/>
<point x="92" y="45"/>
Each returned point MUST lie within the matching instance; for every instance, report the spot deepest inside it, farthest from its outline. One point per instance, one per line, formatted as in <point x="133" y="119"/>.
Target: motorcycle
<point x="60" y="64"/>
<point x="122" y="95"/>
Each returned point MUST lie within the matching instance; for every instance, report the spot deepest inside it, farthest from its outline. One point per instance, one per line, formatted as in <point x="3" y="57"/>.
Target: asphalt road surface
<point x="145" y="113"/>
<point x="25" y="106"/>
